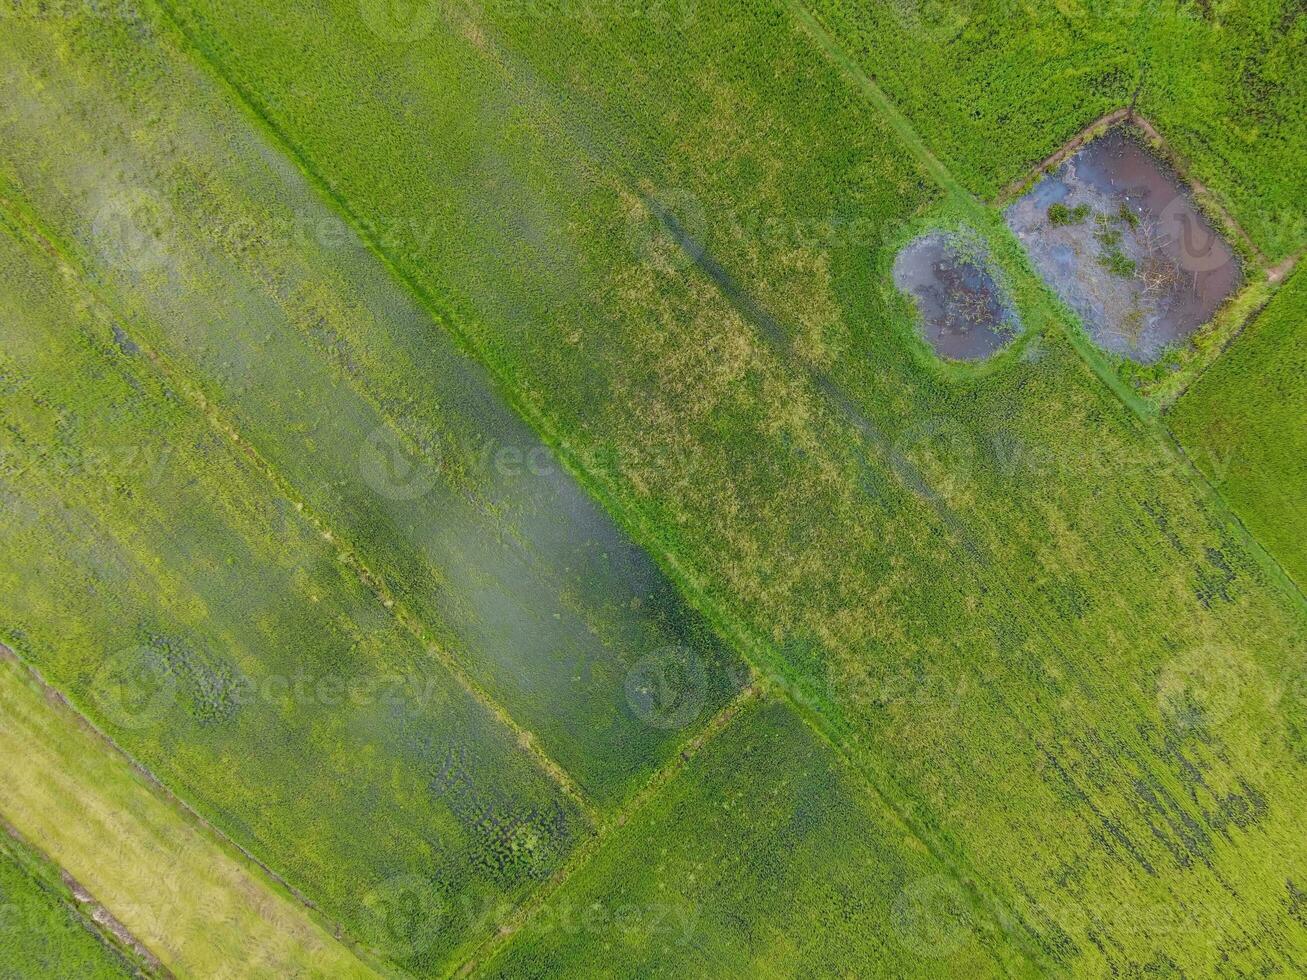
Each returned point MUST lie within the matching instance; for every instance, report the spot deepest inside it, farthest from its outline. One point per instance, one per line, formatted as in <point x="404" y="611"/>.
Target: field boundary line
<point x="891" y="113"/>
<point x="344" y="552"/>
<point x="1276" y="277"/>
<point x="93" y="914"/>
<point x="1290" y="584"/>
<point x="201" y="824"/>
<point x="1086" y="135"/>
<point x="1153" y="410"/>
<point x="630" y="519"/>
<point x="493" y="944"/>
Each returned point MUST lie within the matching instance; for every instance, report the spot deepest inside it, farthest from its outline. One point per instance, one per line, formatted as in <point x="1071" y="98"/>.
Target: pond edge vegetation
<point x="1160" y="384"/>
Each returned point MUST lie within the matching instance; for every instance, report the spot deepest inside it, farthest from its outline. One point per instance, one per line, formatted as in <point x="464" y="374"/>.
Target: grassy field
<point x="1242" y="424"/>
<point x="156" y="577"/>
<point x="1238" y="122"/>
<point x="42" y="933"/>
<point x="188" y="899"/>
<point x="765" y="859"/>
<point x="994" y="87"/>
<point x="998" y="588"/>
<point x="1065" y="679"/>
<point x="219" y="259"/>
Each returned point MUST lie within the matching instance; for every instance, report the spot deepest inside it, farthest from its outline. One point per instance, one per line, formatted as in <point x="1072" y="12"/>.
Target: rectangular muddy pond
<point x="1115" y="232"/>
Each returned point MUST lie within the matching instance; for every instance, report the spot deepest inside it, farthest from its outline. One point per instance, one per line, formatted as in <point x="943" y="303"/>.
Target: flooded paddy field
<point x="965" y="313"/>
<point x="1115" y="232"/>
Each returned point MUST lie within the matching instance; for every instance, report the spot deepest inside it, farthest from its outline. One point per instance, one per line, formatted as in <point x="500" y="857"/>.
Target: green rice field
<point x="1242" y="424"/>
<point x="475" y="461"/>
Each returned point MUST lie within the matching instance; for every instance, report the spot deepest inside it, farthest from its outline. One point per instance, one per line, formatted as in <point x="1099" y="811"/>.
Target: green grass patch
<point x="931" y="557"/>
<point x="1242" y="424"/>
<point x="1032" y="628"/>
<point x="764" y="857"/>
<point x="1060" y="214"/>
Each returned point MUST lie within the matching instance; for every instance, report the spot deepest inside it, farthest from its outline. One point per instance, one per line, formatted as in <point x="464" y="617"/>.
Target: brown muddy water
<point x="964" y="313"/>
<point x="1115" y="232"/>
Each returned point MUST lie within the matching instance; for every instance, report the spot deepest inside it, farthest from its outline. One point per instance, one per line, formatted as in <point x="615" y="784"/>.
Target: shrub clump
<point x="1116" y="262"/>
<point x="1060" y="214"/>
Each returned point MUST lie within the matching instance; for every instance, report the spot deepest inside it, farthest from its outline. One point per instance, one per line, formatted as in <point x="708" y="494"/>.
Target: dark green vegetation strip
<point x="998" y="86"/>
<point x="1244" y="424"/>
<point x="764" y="859"/>
<point x="998" y="589"/>
<point x="154" y="575"/>
<point x="257" y="298"/>
<point x="42" y="932"/>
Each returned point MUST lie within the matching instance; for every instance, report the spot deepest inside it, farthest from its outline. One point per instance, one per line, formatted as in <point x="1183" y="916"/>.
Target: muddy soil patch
<point x="965" y="314"/>
<point x="1115" y="231"/>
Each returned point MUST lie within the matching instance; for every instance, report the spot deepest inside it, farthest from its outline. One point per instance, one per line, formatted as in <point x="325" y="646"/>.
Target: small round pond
<point x="965" y="314"/>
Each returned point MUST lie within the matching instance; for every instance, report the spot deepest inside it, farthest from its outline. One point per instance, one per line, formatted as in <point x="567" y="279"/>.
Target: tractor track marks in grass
<point x="577" y="123"/>
<point x="781" y="340"/>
